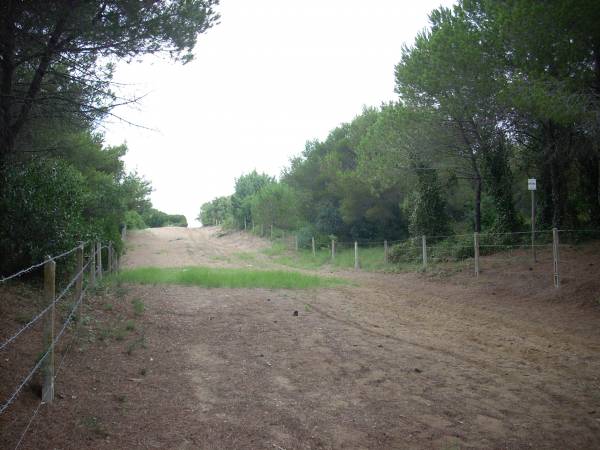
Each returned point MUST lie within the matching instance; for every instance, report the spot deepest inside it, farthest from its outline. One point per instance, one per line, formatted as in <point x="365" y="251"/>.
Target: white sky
<point x="272" y="75"/>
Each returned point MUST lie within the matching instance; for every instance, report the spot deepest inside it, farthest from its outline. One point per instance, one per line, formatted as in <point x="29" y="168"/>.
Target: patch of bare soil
<point x="396" y="361"/>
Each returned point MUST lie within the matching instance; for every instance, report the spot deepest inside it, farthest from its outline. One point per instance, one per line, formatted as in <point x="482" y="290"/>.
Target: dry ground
<point x="396" y="361"/>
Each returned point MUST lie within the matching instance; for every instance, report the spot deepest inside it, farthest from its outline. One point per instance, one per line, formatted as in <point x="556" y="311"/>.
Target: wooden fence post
<point x="49" y="295"/>
<point x="271" y="231"/>
<point x="476" y="252"/>
<point x="92" y="265"/>
<point x="262" y="230"/>
<point x="245" y="224"/>
<point x="296" y="241"/>
<point x="356" y="263"/>
<point x="385" y="252"/>
<point x="99" y="259"/>
<point x="332" y="250"/>
<point x="109" y="258"/>
<point x="115" y="263"/>
<point x="556" y="256"/>
<point x="424" y="245"/>
<point x="78" y="272"/>
<point x="124" y="232"/>
<point x="314" y="250"/>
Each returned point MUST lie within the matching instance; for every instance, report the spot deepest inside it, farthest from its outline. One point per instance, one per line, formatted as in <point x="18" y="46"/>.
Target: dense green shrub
<point x="41" y="212"/>
<point x="134" y="221"/>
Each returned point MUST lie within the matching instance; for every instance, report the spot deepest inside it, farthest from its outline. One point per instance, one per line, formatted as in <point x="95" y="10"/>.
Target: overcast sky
<point x="272" y="75"/>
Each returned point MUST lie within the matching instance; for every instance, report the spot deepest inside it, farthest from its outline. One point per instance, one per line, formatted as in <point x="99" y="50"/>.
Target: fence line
<point x="476" y="249"/>
<point x="47" y="358"/>
<point x="48" y="308"/>
<point x="35" y="266"/>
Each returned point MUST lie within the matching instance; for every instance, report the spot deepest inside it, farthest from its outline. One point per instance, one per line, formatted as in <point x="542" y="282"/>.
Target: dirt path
<point x="175" y="247"/>
<point x="399" y="361"/>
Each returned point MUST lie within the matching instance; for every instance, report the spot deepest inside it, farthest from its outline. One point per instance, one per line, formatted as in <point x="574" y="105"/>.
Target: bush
<point x="134" y="221"/>
<point x="41" y="212"/>
<point x="405" y="252"/>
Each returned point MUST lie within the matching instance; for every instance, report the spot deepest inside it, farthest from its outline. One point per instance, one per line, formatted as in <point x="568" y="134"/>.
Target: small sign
<point x="531" y="184"/>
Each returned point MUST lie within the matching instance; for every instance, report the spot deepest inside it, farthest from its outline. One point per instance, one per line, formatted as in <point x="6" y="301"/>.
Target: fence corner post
<point x="49" y="295"/>
<point x="556" y="257"/>
<point x="476" y="252"/>
<point x="424" y="245"/>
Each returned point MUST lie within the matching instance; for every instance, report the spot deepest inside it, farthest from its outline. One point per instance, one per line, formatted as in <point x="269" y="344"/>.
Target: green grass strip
<point x="226" y="278"/>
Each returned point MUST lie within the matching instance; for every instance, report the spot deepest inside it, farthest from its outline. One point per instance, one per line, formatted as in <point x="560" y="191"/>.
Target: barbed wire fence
<point x="545" y="254"/>
<point x="88" y="270"/>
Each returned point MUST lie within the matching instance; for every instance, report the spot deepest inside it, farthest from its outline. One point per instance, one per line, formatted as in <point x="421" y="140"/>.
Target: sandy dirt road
<point x="395" y="362"/>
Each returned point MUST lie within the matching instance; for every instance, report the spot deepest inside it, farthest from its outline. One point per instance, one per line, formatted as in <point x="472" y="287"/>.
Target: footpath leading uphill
<point x="383" y="361"/>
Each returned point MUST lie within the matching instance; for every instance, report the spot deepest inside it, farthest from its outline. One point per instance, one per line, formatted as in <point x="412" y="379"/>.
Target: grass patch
<point x="226" y="278"/>
<point x="370" y="258"/>
<point x="138" y="306"/>
<point x="130" y="325"/>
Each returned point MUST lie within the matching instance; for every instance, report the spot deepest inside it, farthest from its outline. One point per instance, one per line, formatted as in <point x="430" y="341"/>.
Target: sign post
<point x="531" y="185"/>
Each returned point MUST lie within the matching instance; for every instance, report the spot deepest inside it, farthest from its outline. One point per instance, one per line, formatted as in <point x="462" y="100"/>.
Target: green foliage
<point x="41" y="212"/>
<point x="156" y="219"/>
<point x="492" y="93"/>
<point x="276" y="204"/>
<point x="246" y="187"/>
<point x="134" y="221"/>
<point x="426" y="206"/>
<point x="216" y="211"/>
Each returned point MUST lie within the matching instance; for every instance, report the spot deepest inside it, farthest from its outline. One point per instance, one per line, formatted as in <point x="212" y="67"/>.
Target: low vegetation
<point x="226" y="278"/>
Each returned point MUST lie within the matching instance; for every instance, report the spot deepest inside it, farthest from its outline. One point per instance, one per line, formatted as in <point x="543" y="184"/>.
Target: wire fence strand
<point x="35" y="266"/>
<point x="14" y="395"/>
<point x="46" y="309"/>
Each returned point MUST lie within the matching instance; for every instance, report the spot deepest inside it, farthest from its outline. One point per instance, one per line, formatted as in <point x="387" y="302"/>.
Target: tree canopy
<point x="490" y="94"/>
